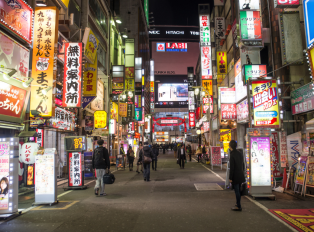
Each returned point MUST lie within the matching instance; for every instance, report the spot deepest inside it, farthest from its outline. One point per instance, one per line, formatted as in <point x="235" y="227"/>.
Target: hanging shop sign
<point x="206" y="62"/>
<point x="227" y="95"/>
<point x="204" y="30"/>
<point x="138" y="100"/>
<point x="208" y="86"/>
<point x="28" y="152"/>
<point x="114" y="111"/>
<point x="91" y="45"/>
<point x="14" y="56"/>
<point x="75" y="143"/>
<point x="302" y="99"/>
<point x="222" y="62"/>
<point x="72" y="75"/>
<point x="100" y="119"/>
<point x="250" y="25"/>
<point x="90" y="79"/>
<point x="192" y="120"/>
<point x="294" y="147"/>
<point x="129" y="73"/>
<point x="243" y="112"/>
<point x="240" y="88"/>
<point x="301" y="169"/>
<point x="286" y="3"/>
<point x="220" y="27"/>
<point x="129" y="84"/>
<point x="254" y="71"/>
<point x="123" y="109"/>
<point x="45" y="35"/>
<point x="265" y="103"/>
<point x="283" y="149"/>
<point x="89" y="123"/>
<point x="228" y="112"/>
<point x="208" y="104"/>
<point x="225" y="138"/>
<point x="308" y="8"/>
<point x="112" y="126"/>
<point x="206" y="126"/>
<point x="138" y="114"/>
<point x="275" y="154"/>
<point x="86" y="101"/>
<point x="40" y="139"/>
<point x="98" y="102"/>
<point x="249" y="5"/>
<point x="64" y="120"/>
<point x="191" y="100"/>
<point x="75" y="169"/>
<point x="17" y="16"/>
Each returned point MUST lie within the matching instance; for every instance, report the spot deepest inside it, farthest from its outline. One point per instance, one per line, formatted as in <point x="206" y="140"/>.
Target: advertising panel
<point x="72" y="75"/>
<point x="64" y="120"/>
<point x="98" y="102"/>
<point x="208" y="85"/>
<point x="17" y="16"/>
<point x="220" y="27"/>
<point x="172" y="92"/>
<point x="283" y="149"/>
<point x="89" y="123"/>
<point x="204" y="30"/>
<point x="249" y="5"/>
<point x="206" y="62"/>
<point x="225" y="138"/>
<point x="4" y="174"/>
<point x="240" y="88"/>
<point x="112" y="126"/>
<point x="129" y="73"/>
<point x="300" y="173"/>
<point x="14" y="56"/>
<point x="44" y="174"/>
<point x="243" y="112"/>
<point x="256" y="71"/>
<point x="302" y="99"/>
<point x="215" y="156"/>
<point x="91" y="45"/>
<point x="294" y="147"/>
<point x="286" y="3"/>
<point x="90" y="79"/>
<point x="260" y="161"/>
<point x="191" y="100"/>
<point x="28" y="152"/>
<point x="208" y="104"/>
<point x="12" y="100"/>
<point x="250" y="25"/>
<point x="222" y="63"/>
<point x="45" y="32"/>
<point x="308" y="8"/>
<point x="228" y="112"/>
<point x="265" y="103"/>
<point x="123" y="109"/>
<point x="138" y="114"/>
<point x="249" y="55"/>
<point x="169" y="121"/>
<point x="75" y="169"/>
<point x="310" y="171"/>
<point x="275" y="156"/>
<point x="100" y="119"/>
<point x="227" y="95"/>
<point x="192" y="119"/>
<point x="114" y="111"/>
<point x="206" y="126"/>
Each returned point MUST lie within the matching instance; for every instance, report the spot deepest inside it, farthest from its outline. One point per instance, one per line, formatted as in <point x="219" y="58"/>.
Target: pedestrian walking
<point x="130" y="156"/>
<point x="181" y="156"/>
<point x="236" y="176"/>
<point x="139" y="159"/>
<point x="189" y="152"/>
<point x="198" y="153"/>
<point x="164" y="149"/>
<point x="100" y="162"/>
<point x="156" y="153"/>
<point x="175" y="148"/>
<point x="147" y="156"/>
<point x="122" y="154"/>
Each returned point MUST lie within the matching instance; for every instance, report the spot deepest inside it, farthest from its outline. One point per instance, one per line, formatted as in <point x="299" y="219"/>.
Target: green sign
<point x="146" y="10"/>
<point x="302" y="99"/>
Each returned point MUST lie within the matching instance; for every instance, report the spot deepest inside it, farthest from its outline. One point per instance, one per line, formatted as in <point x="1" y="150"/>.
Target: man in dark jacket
<point x="100" y="162"/>
<point x="146" y="151"/>
<point x="181" y="156"/>
<point x="236" y="176"/>
<point x="156" y="153"/>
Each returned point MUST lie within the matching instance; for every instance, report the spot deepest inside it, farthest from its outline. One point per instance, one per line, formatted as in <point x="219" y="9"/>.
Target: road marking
<point x="66" y="207"/>
<point x="257" y="204"/>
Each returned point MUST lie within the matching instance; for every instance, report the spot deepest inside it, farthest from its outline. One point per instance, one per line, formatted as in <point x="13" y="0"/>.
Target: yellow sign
<point x="222" y="62"/>
<point x="78" y="143"/>
<point x="225" y="138"/>
<point x="45" y="34"/>
<point x="143" y="80"/>
<point x="123" y="109"/>
<point x="129" y="84"/>
<point x="265" y="103"/>
<point x="66" y="2"/>
<point x="152" y="86"/>
<point x="117" y="85"/>
<point x="208" y="85"/>
<point x="100" y="119"/>
<point x="114" y="111"/>
<point x="91" y="45"/>
<point x="90" y="79"/>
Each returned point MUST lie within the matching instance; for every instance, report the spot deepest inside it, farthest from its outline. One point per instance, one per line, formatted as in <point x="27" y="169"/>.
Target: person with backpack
<point x="175" y="148"/>
<point x="147" y="156"/>
<point x="156" y="153"/>
<point x="100" y="162"/>
<point x="130" y="155"/>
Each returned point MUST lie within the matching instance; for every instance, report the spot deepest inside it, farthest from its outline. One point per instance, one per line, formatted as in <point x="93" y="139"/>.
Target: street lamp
<point x="196" y="91"/>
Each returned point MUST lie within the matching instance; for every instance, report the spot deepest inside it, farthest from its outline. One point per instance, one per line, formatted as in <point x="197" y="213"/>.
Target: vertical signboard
<point x="283" y="149"/>
<point x="91" y="45"/>
<point x="276" y="154"/>
<point x="98" y="102"/>
<point x="220" y="27"/>
<point x="72" y="93"/>
<point x="227" y="95"/>
<point x="240" y="88"/>
<point x="243" y="112"/>
<point x="4" y="174"/>
<point x="204" y="30"/>
<point x="89" y="83"/>
<point x="100" y="119"/>
<point x="222" y="62"/>
<point x="45" y="35"/>
<point x="206" y="62"/>
<point x="250" y="25"/>
<point x="192" y="120"/>
<point x="75" y="169"/>
<point x="208" y="86"/>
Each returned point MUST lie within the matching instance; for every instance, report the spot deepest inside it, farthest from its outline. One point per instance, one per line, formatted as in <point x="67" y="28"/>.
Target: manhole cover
<point x="207" y="186"/>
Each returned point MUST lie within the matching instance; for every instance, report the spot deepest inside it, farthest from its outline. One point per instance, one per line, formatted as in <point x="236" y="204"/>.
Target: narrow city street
<point x="169" y="202"/>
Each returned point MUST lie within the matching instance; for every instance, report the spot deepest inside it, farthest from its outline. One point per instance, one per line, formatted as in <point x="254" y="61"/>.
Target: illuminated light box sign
<point x="171" y="47"/>
<point x="75" y="169"/>
<point x="302" y="99"/>
<point x="249" y="5"/>
<point x="243" y="112"/>
<point x="204" y="30"/>
<point x="286" y="3"/>
<point x="192" y="119"/>
<point x="250" y="25"/>
<point x="227" y="95"/>
<point x="265" y="103"/>
<point x="206" y="63"/>
<point x="172" y="92"/>
<point x="100" y="119"/>
<point x="254" y="71"/>
<point x="228" y="112"/>
<point x="75" y="143"/>
<point x="168" y="121"/>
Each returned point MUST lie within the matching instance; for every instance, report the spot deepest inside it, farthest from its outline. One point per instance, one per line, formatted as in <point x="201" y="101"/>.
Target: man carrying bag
<point x="100" y="162"/>
<point x="147" y="156"/>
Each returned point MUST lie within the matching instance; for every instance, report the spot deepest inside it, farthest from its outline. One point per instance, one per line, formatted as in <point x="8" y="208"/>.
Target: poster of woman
<point x="4" y="175"/>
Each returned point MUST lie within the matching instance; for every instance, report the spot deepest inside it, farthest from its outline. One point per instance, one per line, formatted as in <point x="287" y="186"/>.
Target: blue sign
<point x="138" y="114"/>
<point x="86" y="101"/>
<point x="308" y="6"/>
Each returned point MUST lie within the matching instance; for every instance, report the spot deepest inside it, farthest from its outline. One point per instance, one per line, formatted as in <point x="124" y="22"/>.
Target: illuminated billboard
<point x="172" y="92"/>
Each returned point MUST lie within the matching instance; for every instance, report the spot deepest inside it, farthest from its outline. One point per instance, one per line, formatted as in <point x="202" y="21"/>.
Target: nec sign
<point x="171" y="47"/>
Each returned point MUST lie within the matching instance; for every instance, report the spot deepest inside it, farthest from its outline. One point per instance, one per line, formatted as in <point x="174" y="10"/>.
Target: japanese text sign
<point x="228" y="112"/>
<point x="90" y="79"/>
<point x="91" y="45"/>
<point x="286" y="3"/>
<point x="220" y="27"/>
<point x="28" y="152"/>
<point x="243" y="111"/>
<point x="254" y="71"/>
<point x="75" y="169"/>
<point x="114" y="111"/>
<point x="191" y="100"/>
<point x="265" y="103"/>
<point x="5" y="171"/>
<point x="204" y="30"/>
<point x="227" y="95"/>
<point x="250" y="25"/>
<point x="222" y="63"/>
<point x="275" y="156"/>
<point x="72" y="93"/>
<point x="100" y="118"/>
<point x="45" y="36"/>
<point x="208" y="86"/>
<point x="283" y="149"/>
<point x="63" y="119"/>
<point x="192" y="119"/>
<point x="206" y="62"/>
<point x="17" y="16"/>
<point x="123" y="109"/>
<point x="302" y="99"/>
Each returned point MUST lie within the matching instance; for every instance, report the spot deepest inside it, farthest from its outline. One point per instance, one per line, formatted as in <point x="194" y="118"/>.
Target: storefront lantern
<point x="28" y="152"/>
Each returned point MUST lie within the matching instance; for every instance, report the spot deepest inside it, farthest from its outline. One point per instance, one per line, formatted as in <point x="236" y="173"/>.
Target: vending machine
<point x="75" y="147"/>
<point x="259" y="162"/>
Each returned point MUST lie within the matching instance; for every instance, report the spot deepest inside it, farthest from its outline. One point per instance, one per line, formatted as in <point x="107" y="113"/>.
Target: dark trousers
<point x="181" y="161"/>
<point x="131" y="160"/>
<point x="190" y="155"/>
<point x="198" y="158"/>
<point x="154" y="164"/>
<point x="236" y="188"/>
<point x="146" y="173"/>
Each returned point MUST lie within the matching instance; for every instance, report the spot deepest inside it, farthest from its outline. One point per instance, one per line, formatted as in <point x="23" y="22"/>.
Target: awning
<point x="25" y="134"/>
<point x="12" y="126"/>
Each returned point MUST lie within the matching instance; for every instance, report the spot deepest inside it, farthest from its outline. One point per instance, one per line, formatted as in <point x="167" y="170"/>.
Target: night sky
<point x="176" y="12"/>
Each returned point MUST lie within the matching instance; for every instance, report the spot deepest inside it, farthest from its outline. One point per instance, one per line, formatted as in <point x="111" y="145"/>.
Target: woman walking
<point x="199" y="153"/>
<point x="139" y="159"/>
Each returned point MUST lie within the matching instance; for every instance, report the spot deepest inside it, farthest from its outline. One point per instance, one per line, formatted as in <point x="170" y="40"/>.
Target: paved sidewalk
<point x="169" y="202"/>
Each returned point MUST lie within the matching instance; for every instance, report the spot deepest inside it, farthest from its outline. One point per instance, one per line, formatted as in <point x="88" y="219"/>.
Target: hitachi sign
<point x="175" y="32"/>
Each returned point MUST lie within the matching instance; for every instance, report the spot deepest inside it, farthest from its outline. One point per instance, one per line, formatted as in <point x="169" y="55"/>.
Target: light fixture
<point x="118" y="21"/>
<point x="203" y="93"/>
<point x="123" y="96"/>
<point x="45" y="91"/>
<point x="130" y="94"/>
<point x="7" y="76"/>
<point x="41" y="3"/>
<point x="198" y="131"/>
<point x="27" y="83"/>
<point x="196" y="91"/>
<point x="124" y="36"/>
